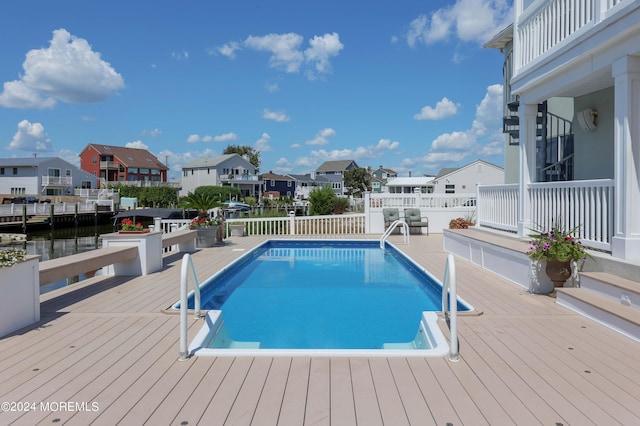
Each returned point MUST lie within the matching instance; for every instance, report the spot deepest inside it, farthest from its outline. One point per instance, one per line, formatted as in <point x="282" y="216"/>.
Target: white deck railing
<point x="347" y="224"/>
<point x="435" y="201"/>
<point x="498" y="207"/>
<point x="547" y="23"/>
<point x="45" y="208"/>
<point x="587" y="204"/>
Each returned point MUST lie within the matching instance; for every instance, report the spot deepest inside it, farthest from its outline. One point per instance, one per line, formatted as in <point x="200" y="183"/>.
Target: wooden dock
<point x="106" y="353"/>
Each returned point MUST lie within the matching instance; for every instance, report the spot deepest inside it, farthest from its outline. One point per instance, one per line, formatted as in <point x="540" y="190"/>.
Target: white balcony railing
<point x="57" y="181"/>
<point x="435" y="201"/>
<point x="546" y="23"/>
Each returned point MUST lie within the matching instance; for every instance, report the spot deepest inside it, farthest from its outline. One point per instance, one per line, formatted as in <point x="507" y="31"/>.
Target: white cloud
<point x="483" y="139"/>
<point x="229" y="49"/>
<point x="321" y="51"/>
<point x="444" y="108"/>
<point x="287" y="54"/>
<point x="278" y="116"/>
<point x="295" y="145"/>
<point x="178" y="56"/>
<point x="68" y="71"/>
<point x="30" y="137"/>
<point x="262" y="144"/>
<point x="153" y="132"/>
<point x="137" y="144"/>
<point x="284" y="49"/>
<point x="225" y="137"/>
<point x="272" y="87"/>
<point x="386" y="144"/>
<point x="193" y="138"/>
<point x="468" y="20"/>
<point x="207" y="138"/>
<point x="321" y="137"/>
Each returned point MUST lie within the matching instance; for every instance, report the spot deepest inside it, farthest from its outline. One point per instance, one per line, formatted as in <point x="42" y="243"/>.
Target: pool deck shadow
<point x="114" y="354"/>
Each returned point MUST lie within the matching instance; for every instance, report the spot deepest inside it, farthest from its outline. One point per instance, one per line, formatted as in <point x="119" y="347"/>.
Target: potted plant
<point x="206" y="226"/>
<point x="560" y="249"/>
<point x="128" y="226"/>
<point x="236" y="229"/>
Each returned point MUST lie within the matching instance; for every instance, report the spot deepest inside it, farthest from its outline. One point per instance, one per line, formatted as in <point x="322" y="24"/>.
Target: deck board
<point x="524" y="360"/>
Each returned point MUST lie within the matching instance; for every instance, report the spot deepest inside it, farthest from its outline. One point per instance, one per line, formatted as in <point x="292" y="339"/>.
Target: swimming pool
<point x="321" y="296"/>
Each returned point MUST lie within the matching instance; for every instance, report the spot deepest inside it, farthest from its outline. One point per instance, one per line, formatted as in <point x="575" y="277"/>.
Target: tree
<point x="221" y="193"/>
<point x="200" y="201"/>
<point x="357" y="180"/>
<point x="245" y="151"/>
<point x="321" y="201"/>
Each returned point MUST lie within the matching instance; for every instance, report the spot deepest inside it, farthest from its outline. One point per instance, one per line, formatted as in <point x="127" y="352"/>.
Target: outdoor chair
<point x="413" y="218"/>
<point x="390" y="215"/>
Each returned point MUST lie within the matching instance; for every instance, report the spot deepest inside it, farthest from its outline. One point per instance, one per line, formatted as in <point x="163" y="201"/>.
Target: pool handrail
<point x="390" y="229"/>
<point x="184" y="281"/>
<point x="449" y="292"/>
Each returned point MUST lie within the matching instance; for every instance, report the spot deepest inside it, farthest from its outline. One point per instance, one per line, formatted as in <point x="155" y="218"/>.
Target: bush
<point x="321" y="201"/>
<point x="340" y="205"/>
<point x="459" y="223"/>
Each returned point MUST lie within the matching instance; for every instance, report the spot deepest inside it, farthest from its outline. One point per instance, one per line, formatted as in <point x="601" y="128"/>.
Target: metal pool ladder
<point x="450" y="296"/>
<point x="184" y="281"/>
<point x="390" y="229"/>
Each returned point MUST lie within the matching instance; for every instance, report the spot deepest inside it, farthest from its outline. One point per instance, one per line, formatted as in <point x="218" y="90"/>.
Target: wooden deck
<point x="105" y="353"/>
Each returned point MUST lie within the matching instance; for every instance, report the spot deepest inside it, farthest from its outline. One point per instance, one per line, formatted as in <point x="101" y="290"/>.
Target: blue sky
<point x="405" y="84"/>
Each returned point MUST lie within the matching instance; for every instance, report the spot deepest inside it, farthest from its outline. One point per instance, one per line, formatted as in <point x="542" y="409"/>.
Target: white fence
<point x="347" y="224"/>
<point x="45" y="208"/>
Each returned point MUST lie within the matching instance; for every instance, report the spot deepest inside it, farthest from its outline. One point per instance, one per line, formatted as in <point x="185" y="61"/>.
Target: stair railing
<point x="390" y="229"/>
<point x="187" y="264"/>
<point x="450" y="306"/>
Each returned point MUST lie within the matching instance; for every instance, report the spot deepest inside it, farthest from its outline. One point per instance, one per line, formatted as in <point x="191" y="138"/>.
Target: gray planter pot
<point x="206" y="237"/>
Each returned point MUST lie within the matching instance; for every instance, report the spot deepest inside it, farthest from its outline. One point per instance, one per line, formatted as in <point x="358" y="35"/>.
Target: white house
<point x="465" y="179"/>
<point x="227" y="169"/>
<point x="409" y="185"/>
<point x="42" y="176"/>
<point x="578" y="164"/>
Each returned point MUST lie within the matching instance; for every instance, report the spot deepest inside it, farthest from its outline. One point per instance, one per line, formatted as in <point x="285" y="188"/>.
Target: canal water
<point x="51" y="244"/>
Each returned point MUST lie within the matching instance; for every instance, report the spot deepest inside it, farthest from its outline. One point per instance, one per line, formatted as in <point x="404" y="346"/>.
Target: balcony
<point x="109" y="165"/>
<point x="546" y="24"/>
<point x="57" y="181"/>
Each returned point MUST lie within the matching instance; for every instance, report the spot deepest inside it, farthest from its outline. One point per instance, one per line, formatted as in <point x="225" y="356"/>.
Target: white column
<point x="528" y="114"/>
<point x="626" y="240"/>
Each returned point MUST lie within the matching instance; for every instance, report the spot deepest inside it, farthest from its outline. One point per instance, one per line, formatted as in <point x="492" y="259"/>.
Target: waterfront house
<point x="116" y="164"/>
<point x="454" y="180"/>
<point x="333" y="171"/>
<point x="410" y="185"/>
<point x="284" y="185"/>
<point x="42" y="177"/>
<point x="304" y="184"/>
<point x="379" y="179"/>
<point x="572" y="73"/>
<point x="228" y="169"/>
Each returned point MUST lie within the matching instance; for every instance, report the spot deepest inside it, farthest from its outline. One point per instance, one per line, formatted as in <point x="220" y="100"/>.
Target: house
<point x="42" y="176"/>
<point x="228" y="169"/>
<point x="571" y="93"/>
<point x="333" y="171"/>
<point x="378" y="185"/>
<point x="115" y="164"/>
<point x="304" y="184"/>
<point x="465" y="179"/>
<point x="410" y="185"/>
<point x="380" y="177"/>
<point x="281" y="184"/>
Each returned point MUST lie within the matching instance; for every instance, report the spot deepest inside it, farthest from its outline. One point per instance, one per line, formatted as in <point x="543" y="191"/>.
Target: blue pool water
<point x="321" y="295"/>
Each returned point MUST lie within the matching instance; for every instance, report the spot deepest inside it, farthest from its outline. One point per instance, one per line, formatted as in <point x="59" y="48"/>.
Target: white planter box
<point x="236" y="230"/>
<point x="19" y="295"/>
<point x="149" y="253"/>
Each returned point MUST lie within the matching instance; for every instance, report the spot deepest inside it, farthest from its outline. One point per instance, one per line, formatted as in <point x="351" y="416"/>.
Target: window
<point x="53" y="172"/>
<point x="155" y="171"/>
<point x="449" y="189"/>
<point x="133" y="170"/>
<point x="289" y="183"/>
<point x="1" y="170"/>
<point x="15" y="170"/>
<point x="272" y="182"/>
<point x="67" y="172"/>
<point x="85" y="184"/>
<point x="144" y="171"/>
<point x="95" y="159"/>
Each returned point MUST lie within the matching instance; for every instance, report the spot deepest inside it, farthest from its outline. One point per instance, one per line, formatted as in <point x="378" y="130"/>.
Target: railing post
<point x="292" y="223"/>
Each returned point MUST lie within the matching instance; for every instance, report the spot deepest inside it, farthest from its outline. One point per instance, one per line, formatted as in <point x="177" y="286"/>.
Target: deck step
<point x="612" y="287"/>
<point x="616" y="315"/>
